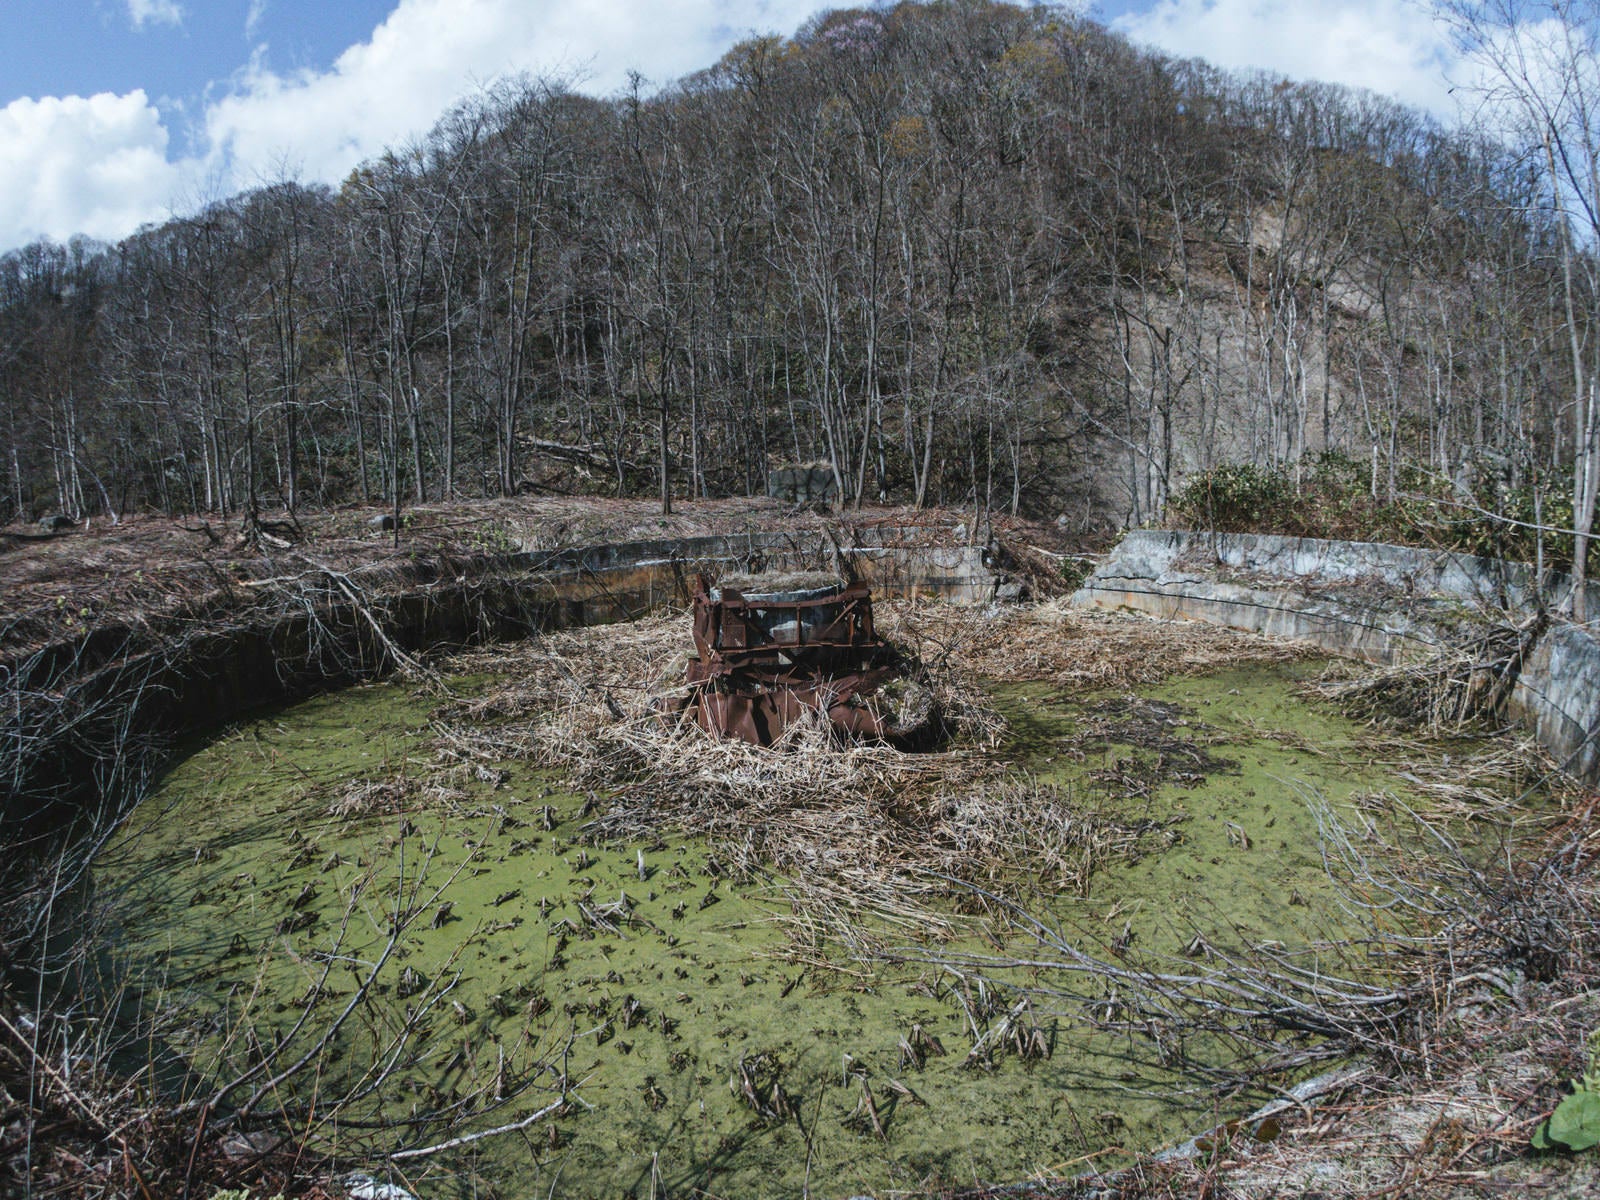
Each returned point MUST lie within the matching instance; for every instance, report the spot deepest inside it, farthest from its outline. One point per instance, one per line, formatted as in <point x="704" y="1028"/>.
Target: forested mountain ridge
<point x="961" y="252"/>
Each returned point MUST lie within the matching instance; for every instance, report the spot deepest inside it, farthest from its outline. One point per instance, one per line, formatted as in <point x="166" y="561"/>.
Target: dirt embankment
<point x="146" y="571"/>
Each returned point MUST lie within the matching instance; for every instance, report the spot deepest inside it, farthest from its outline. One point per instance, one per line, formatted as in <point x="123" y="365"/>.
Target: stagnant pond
<point x="667" y="999"/>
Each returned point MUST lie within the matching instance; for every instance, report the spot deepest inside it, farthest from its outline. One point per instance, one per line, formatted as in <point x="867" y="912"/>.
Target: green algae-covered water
<point x="277" y="864"/>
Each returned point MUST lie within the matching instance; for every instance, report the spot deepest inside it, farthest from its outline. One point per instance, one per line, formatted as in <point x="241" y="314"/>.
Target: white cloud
<point x="95" y="165"/>
<point x="1518" y="78"/>
<point x="154" y="12"/>
<point x="429" y="53"/>
<point x="252" y="20"/>
<point x="1396" y="48"/>
<point x="99" y="165"/>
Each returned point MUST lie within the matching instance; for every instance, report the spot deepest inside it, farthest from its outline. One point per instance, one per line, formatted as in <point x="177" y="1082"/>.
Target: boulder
<point x="361" y="1186"/>
<point x="803" y="483"/>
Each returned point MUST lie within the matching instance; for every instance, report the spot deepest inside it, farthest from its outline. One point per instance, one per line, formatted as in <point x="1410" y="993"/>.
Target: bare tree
<point x="1539" y="83"/>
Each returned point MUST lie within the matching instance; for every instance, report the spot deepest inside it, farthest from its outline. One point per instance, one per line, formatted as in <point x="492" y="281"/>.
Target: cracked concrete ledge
<point x="1367" y="600"/>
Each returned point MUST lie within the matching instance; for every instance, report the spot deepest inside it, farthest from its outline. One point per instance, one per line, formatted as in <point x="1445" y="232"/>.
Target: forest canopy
<point x="958" y="252"/>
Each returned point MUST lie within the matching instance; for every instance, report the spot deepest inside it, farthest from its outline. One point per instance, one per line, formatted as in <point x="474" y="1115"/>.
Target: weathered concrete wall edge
<point x="1367" y="600"/>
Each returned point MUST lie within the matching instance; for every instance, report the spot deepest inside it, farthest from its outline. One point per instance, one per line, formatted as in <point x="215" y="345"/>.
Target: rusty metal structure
<point x="773" y="650"/>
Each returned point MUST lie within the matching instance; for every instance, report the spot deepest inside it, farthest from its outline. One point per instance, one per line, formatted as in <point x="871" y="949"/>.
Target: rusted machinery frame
<point x="749" y="685"/>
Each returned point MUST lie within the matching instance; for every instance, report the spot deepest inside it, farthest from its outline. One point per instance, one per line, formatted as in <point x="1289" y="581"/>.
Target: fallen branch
<point x="405" y="662"/>
<point x="468" y="1139"/>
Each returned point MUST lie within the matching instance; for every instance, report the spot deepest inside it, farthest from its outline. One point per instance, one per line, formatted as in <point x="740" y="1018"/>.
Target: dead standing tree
<point x="1538" y="64"/>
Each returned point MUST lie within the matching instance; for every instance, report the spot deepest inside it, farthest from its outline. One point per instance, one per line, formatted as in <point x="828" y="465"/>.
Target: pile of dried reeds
<point x="367" y="797"/>
<point x="77" y="1121"/>
<point x="1453" y="689"/>
<point x="854" y="830"/>
<point x="1082" y="649"/>
<point x="1487" y="781"/>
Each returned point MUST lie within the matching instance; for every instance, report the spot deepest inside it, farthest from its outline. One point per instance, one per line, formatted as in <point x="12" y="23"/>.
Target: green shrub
<point x="494" y="538"/>
<point x="1334" y="500"/>
<point x="1074" y="571"/>
<point x="1235" y="498"/>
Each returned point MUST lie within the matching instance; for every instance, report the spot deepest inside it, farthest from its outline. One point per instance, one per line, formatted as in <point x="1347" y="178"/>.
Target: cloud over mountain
<point x="106" y="163"/>
<point x="91" y="164"/>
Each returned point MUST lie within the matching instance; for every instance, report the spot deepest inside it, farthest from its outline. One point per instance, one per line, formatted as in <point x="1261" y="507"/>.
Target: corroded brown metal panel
<point x="768" y="660"/>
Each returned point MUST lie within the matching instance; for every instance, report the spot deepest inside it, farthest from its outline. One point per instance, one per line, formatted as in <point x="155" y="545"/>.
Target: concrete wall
<point x="504" y="597"/>
<point x="1557" y="697"/>
<point x="1367" y="600"/>
<point x="623" y="580"/>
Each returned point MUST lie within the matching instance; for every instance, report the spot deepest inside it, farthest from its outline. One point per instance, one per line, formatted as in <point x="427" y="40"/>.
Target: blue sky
<point x="86" y="46"/>
<point x="118" y="112"/>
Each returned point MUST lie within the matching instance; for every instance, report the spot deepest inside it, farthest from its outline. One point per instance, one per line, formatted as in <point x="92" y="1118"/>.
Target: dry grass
<point x="1487" y="781"/>
<point x="1456" y="1126"/>
<point x="866" y="838"/>
<point x="73" y="1126"/>
<point x="400" y="793"/>
<point x="1081" y="649"/>
<point x="369" y="797"/>
<point x="1499" y="965"/>
<point x="1457" y="688"/>
<point x="1463" y="1131"/>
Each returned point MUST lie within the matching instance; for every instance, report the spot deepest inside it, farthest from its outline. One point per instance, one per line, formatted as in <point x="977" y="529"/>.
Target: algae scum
<point x="650" y="1003"/>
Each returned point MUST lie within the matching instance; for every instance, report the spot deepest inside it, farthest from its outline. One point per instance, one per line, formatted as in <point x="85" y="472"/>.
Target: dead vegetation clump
<point x="1458" y="1014"/>
<point x="852" y="829"/>
<point x="1458" y="687"/>
<point x="1461" y="998"/>
<point x="1081" y="649"/>
<point x="1488" y="780"/>
<point x="72" y="1125"/>
<point x="371" y="797"/>
<point x="411" y="791"/>
<point x="1502" y="977"/>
